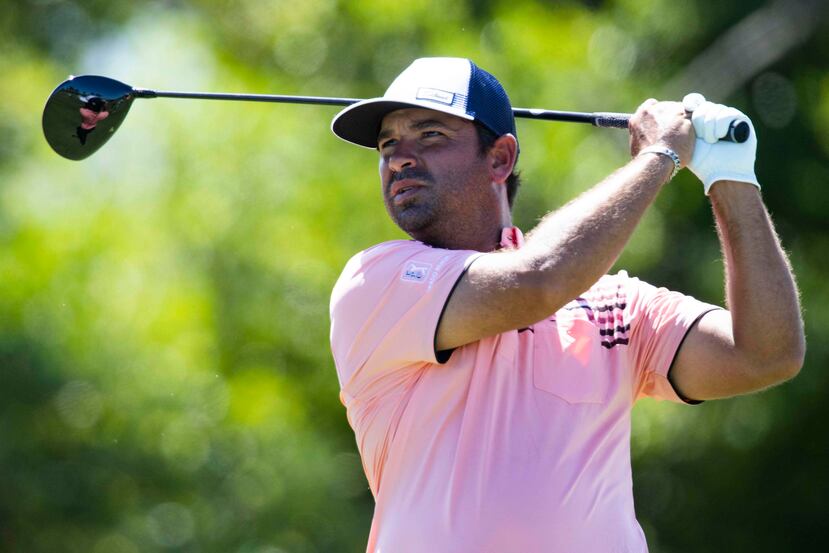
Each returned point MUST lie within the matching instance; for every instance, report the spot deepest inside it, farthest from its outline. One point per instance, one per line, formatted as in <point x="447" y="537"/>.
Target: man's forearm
<point x="571" y="248"/>
<point x="760" y="288"/>
<point x="577" y="244"/>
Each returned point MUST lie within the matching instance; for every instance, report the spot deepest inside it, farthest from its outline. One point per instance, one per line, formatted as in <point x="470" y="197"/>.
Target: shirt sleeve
<point x="385" y="309"/>
<point x="659" y="321"/>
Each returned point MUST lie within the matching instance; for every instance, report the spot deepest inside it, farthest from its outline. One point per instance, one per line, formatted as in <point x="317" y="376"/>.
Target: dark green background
<point x="165" y="379"/>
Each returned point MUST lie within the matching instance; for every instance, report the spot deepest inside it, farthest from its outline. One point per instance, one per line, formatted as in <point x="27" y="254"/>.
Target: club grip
<point x="608" y="119"/>
<point x="738" y="131"/>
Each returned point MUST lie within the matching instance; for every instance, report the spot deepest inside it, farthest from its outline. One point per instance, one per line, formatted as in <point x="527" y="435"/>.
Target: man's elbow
<point x="795" y="359"/>
<point x="785" y="365"/>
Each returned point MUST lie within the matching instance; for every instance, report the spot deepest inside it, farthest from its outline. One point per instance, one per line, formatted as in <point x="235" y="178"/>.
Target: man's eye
<point x="386" y="143"/>
<point x="430" y="134"/>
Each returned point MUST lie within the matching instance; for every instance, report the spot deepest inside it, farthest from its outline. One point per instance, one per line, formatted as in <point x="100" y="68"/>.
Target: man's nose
<point x="402" y="157"/>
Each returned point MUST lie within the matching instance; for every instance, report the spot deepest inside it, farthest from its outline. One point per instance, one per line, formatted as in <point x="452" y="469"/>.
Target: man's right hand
<point x="662" y="124"/>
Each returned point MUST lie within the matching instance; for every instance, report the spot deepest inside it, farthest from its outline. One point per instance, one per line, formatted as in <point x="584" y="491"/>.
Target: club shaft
<point x="544" y="114"/>
<point x="144" y="93"/>
<point x="738" y="130"/>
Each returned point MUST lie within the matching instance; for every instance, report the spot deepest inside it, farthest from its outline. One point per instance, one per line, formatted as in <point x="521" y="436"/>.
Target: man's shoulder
<point x="620" y="278"/>
<point x="376" y="261"/>
<point x="389" y="247"/>
<point x="610" y="292"/>
<point x="612" y="285"/>
<point x="412" y="268"/>
<point x="389" y="251"/>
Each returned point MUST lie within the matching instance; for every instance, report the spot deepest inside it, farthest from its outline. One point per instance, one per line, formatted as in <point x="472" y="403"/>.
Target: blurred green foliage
<point x="165" y="380"/>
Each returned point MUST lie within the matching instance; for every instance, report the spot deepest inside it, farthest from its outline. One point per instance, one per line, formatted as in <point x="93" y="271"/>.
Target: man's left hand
<point x="716" y="160"/>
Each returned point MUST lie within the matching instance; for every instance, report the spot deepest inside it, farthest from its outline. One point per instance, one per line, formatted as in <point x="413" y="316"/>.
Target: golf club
<point x="83" y="112"/>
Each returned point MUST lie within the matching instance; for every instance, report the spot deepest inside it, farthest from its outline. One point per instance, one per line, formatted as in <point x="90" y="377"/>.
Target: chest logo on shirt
<point x="415" y="271"/>
<point x="608" y="314"/>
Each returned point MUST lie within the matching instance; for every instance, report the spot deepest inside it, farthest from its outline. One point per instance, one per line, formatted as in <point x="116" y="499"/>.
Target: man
<point x="489" y="381"/>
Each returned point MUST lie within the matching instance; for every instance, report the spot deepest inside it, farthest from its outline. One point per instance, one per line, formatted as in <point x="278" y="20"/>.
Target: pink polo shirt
<point x="517" y="443"/>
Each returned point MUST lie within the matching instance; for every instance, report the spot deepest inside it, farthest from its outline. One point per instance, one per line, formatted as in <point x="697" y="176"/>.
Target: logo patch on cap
<point x="435" y="95"/>
<point x="416" y="272"/>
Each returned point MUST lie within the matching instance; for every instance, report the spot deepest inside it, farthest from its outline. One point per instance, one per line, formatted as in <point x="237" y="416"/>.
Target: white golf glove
<point x="713" y="160"/>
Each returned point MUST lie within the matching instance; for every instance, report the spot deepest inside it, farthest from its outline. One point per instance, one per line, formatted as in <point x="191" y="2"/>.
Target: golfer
<point x="489" y="378"/>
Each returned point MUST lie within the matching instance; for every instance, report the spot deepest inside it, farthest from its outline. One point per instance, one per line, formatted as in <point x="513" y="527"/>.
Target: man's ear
<point x="502" y="156"/>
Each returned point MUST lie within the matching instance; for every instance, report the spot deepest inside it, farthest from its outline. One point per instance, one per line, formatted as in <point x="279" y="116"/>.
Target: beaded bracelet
<point x="665" y="151"/>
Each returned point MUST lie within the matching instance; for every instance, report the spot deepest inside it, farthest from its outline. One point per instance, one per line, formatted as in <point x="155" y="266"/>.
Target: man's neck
<point x="481" y="242"/>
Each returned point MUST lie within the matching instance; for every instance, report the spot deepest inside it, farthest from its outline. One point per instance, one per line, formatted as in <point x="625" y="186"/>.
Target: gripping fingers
<point x="724" y="120"/>
<point x="715" y="160"/>
<point x="645" y="105"/>
<point x="710" y="116"/>
<point x="692" y="101"/>
<point x="712" y="121"/>
<point x="704" y="119"/>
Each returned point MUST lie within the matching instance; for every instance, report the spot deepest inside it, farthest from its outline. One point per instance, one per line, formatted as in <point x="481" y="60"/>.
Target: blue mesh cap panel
<point x="489" y="103"/>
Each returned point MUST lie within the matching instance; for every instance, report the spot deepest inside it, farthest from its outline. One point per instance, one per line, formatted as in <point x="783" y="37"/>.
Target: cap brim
<point x="360" y="123"/>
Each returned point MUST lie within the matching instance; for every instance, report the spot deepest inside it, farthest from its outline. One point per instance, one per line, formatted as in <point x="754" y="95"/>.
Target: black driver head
<point x="83" y="113"/>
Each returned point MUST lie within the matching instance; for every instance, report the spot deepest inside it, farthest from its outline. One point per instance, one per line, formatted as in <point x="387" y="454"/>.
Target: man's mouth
<point x="405" y="195"/>
<point x="403" y="189"/>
